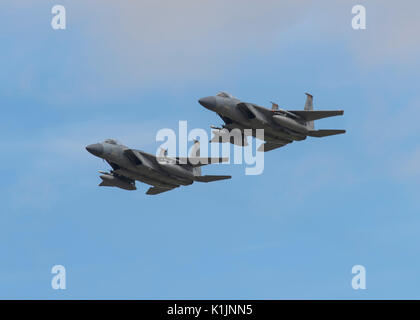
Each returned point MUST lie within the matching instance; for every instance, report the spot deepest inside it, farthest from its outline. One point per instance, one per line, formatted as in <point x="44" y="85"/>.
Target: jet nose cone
<point x="95" y="149"/>
<point x="208" y="102"/>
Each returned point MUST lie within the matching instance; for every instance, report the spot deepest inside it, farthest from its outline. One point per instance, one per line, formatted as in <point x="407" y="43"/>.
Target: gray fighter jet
<point x="163" y="173"/>
<point x="280" y="126"/>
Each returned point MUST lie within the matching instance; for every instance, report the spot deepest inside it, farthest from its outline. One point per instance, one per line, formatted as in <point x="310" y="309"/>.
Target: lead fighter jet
<point x="280" y="126"/>
<point x="163" y="173"/>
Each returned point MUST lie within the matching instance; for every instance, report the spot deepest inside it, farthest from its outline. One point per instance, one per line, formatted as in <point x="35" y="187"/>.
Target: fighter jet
<point x="280" y="126"/>
<point x="162" y="172"/>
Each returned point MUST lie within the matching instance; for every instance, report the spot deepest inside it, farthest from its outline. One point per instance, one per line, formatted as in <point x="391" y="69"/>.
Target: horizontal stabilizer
<point x="157" y="190"/>
<point x="210" y="178"/>
<point x="310" y="115"/>
<point x="324" y="133"/>
<point x="268" y="146"/>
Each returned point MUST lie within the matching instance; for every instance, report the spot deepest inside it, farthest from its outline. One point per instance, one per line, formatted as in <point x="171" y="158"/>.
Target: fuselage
<point x="227" y="108"/>
<point x="141" y="168"/>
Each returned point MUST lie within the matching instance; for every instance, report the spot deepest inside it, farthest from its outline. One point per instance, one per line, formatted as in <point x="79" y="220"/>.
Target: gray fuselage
<point x="141" y="166"/>
<point x="235" y="117"/>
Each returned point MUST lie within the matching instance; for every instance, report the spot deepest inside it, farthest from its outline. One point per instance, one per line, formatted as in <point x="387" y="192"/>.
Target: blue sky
<point x="126" y="70"/>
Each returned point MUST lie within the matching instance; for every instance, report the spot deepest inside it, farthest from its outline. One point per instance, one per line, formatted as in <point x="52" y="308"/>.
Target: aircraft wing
<point x="268" y="146"/>
<point x="254" y="111"/>
<point x="209" y="178"/>
<point x="310" y="115"/>
<point x="325" y="132"/>
<point x="157" y="190"/>
<point x="136" y="155"/>
<point x="200" y="161"/>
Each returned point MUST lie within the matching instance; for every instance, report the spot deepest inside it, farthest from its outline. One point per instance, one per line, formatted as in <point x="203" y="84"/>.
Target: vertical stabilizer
<point x="195" y="153"/>
<point x="309" y="106"/>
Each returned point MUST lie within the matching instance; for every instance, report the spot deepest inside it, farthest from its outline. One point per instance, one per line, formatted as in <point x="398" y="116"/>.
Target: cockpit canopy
<point x="112" y="141"/>
<point x="225" y="95"/>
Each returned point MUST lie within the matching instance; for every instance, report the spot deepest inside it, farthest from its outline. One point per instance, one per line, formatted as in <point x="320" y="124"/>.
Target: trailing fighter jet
<point x="280" y="126"/>
<point x="163" y="173"/>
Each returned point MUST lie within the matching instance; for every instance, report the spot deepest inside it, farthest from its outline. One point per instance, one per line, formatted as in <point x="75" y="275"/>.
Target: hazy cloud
<point x="165" y="40"/>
